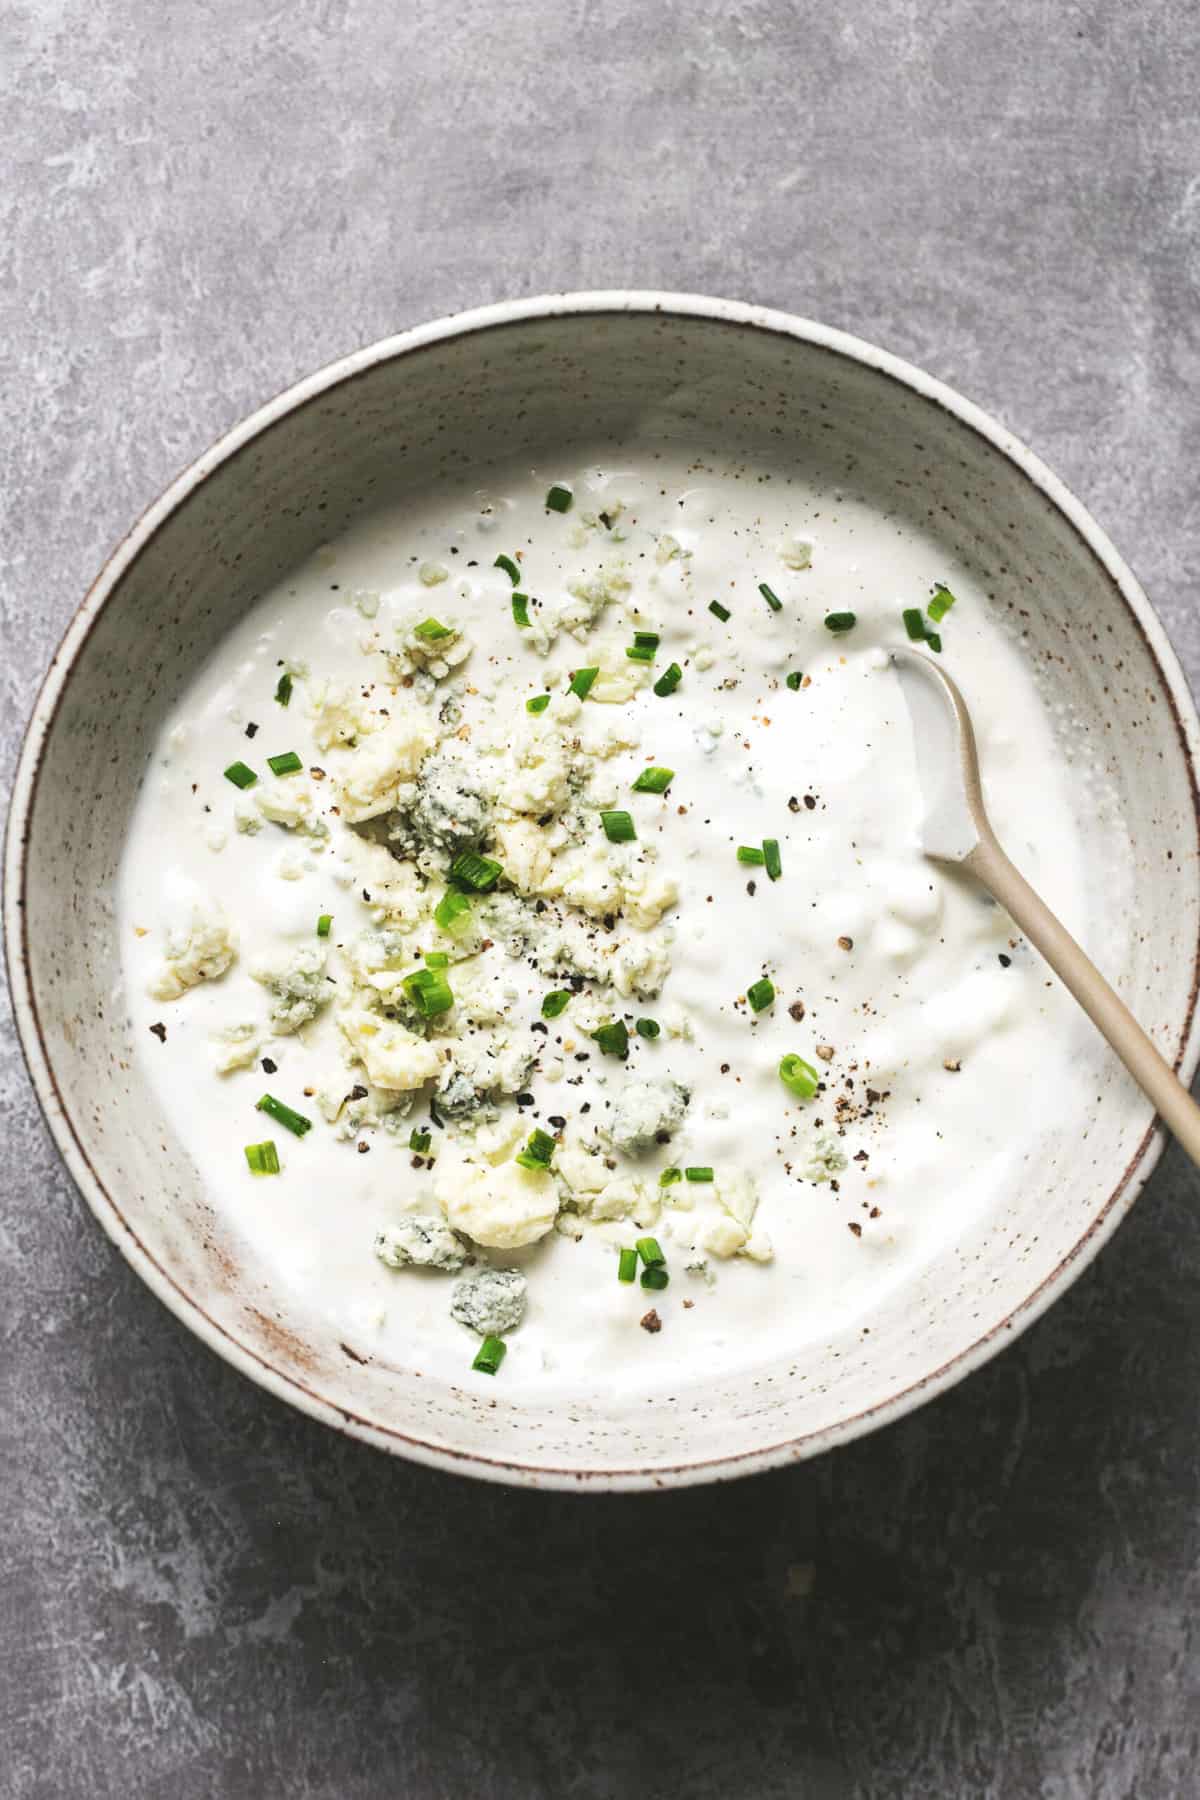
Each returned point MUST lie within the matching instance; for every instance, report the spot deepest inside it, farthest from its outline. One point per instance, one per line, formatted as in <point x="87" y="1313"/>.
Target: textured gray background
<point x="203" y="1595"/>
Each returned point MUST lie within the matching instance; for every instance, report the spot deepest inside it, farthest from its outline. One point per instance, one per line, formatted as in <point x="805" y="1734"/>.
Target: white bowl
<point x="525" y="378"/>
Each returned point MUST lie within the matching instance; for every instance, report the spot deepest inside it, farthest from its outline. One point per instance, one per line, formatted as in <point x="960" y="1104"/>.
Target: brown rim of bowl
<point x="51" y="1099"/>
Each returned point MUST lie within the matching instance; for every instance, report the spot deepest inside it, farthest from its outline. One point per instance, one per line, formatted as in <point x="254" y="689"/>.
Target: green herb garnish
<point x="644" y="647"/>
<point x="618" y="827"/>
<point x="668" y="681"/>
<point x="264" y="1159"/>
<point x="941" y="603"/>
<point x="479" y="873"/>
<point x="555" y="1002"/>
<point x="240" y="775"/>
<point x="772" y="599"/>
<point x="490" y="1355"/>
<point x="510" y="568"/>
<point x="559" y="498"/>
<point x="287" y="764"/>
<point x="656" y="1278"/>
<point x="419" y="1141"/>
<point x="431" y="630"/>
<point x="749" y="853"/>
<point x="799" y="1077"/>
<point x="283" y="690"/>
<point x="669" y="1177"/>
<point x="760" y="994"/>
<point x="323" y="924"/>
<point x="537" y="1152"/>
<point x="283" y="1115"/>
<point x="654" y="781"/>
<point x="772" y="858"/>
<point x="702" y="1174"/>
<point x="538" y="703"/>
<point x="718" y="611"/>
<point x="581" y="682"/>
<point x="647" y="1028"/>
<point x="627" y="1265"/>
<point x="613" y="1039"/>
<point x="451" y="910"/>
<point x="794" y="679"/>
<point x="520" y="610"/>
<point x="840" y="622"/>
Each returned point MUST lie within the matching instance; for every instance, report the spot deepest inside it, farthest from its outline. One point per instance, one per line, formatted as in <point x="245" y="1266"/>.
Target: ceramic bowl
<point x="438" y="401"/>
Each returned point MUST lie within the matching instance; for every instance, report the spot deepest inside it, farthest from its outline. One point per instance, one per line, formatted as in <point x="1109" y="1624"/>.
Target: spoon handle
<point x="1111" y="1017"/>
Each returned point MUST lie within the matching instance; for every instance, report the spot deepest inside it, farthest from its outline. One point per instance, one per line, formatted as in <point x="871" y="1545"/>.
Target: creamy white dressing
<point x="901" y="967"/>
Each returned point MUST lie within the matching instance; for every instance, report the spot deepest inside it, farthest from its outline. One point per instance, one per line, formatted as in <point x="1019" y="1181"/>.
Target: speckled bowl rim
<point x="70" y="1137"/>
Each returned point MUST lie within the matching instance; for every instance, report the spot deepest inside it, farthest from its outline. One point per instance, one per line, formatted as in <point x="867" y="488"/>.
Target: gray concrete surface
<point x="203" y="1595"/>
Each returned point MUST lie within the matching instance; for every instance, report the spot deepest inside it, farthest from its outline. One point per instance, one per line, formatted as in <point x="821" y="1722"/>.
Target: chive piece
<point x="760" y="994"/>
<point x="647" y="1028"/>
<point x="520" y="610"/>
<point x="649" y="1251"/>
<point x="718" y="611"/>
<point x="914" y="624"/>
<point x="437" y="959"/>
<point x="429" y="992"/>
<point x="772" y="858"/>
<point x="798" y="1076"/>
<point x="655" y="1278"/>
<point x="794" y="679"/>
<point x="839" y="622"/>
<point x="240" y="775"/>
<point x="668" y="681"/>
<point x="283" y="691"/>
<point x="749" y="853"/>
<point x="510" y="568"/>
<point x="480" y="873"/>
<point x="490" y="1355"/>
<point x="449" y="912"/>
<point x="264" y="1159"/>
<point x="654" y="781"/>
<point x="941" y="603"/>
<point x="431" y="630"/>
<point x="644" y="647"/>
<point x="559" y="498"/>
<point x="613" y="1039"/>
<point x="772" y="599"/>
<point x="538" y="703"/>
<point x="698" y="1174"/>
<point x="627" y="1265"/>
<point x="287" y="764"/>
<point x="555" y="1002"/>
<point x="537" y="1152"/>
<point x="283" y="1115"/>
<point x="323" y="924"/>
<point x="934" y="641"/>
<point x="669" y="1177"/>
<point x="618" y="827"/>
<point x="581" y="682"/>
<point x="419" y="1141"/>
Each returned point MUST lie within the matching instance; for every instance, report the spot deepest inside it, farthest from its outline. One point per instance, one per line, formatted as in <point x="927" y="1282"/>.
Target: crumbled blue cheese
<point x="393" y="1056"/>
<point x="419" y="1242"/>
<point x="199" y="947"/>
<point x="489" y="1301"/>
<point x="369" y="780"/>
<point x="500" y="1206"/>
<point x="297" y="982"/>
<point x="821" y="1157"/>
<point x="645" y="1113"/>
<point x="237" y="1047"/>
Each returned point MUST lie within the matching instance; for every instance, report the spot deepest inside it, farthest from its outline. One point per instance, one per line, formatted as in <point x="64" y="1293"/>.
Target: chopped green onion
<point x="644" y="647"/>
<point x="555" y="1002"/>
<point x="559" y="498"/>
<point x="654" y="781"/>
<point x="429" y="992"/>
<point x="437" y="959"/>
<point x="480" y="873"/>
<point x="794" y="679"/>
<point x="647" y="1028"/>
<point x="655" y="1278"/>
<point x="287" y="764"/>
<point x="613" y="1039"/>
<point x="490" y="1355"/>
<point x="627" y="1265"/>
<point x="748" y="853"/>
<point x="264" y="1160"/>
<point x="283" y="1115"/>
<point x="537" y="1152"/>
<point x="649" y="1251"/>
<point x="419" y="1141"/>
<point x="449" y="912"/>
<point x="538" y="703"/>
<point x="839" y="622"/>
<point x="323" y="924"/>
<point x="668" y="681"/>
<point x="510" y="568"/>
<point x="520" y="610"/>
<point x="240" y="775"/>
<point x="941" y="603"/>
<point x="760" y="993"/>
<point x="431" y="630"/>
<point x="698" y="1174"/>
<point x="718" y="611"/>
<point x="914" y="624"/>
<point x="772" y="858"/>
<point x="283" y="691"/>
<point x="581" y="682"/>
<point x="934" y="641"/>
<point x="669" y="1177"/>
<point x="799" y="1077"/>
<point x="772" y="599"/>
<point x="618" y="827"/>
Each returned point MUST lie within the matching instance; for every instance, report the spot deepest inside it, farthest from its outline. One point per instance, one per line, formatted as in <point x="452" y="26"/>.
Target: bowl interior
<point x="444" y="410"/>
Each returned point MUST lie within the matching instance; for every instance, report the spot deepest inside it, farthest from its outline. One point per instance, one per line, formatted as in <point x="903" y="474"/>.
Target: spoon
<point x="958" y="830"/>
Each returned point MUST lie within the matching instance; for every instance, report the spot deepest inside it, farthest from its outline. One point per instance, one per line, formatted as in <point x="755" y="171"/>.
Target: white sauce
<point x="923" y="984"/>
